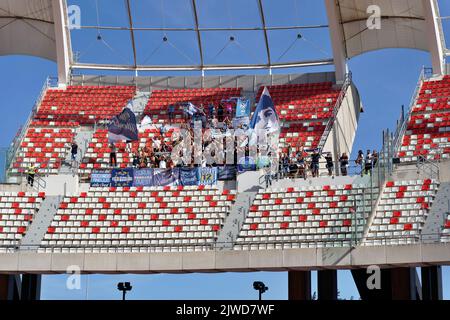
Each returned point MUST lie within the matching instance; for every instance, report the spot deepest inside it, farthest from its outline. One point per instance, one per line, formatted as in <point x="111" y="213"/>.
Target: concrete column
<point x="403" y="284"/>
<point x="31" y="287"/>
<point x="434" y="36"/>
<point x="431" y="283"/>
<point x="299" y="285"/>
<point x="9" y="287"/>
<point x="62" y="38"/>
<point x="327" y="285"/>
<point x="337" y="40"/>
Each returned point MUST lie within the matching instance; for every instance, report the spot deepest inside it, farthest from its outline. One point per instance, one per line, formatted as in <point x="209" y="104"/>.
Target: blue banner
<point x="246" y="164"/>
<point x="188" y="176"/>
<point x="143" y="177"/>
<point x="226" y="173"/>
<point x="265" y="116"/>
<point x="166" y="177"/>
<point x="100" y="178"/>
<point x="207" y="175"/>
<point x="242" y="108"/>
<point x="122" y="177"/>
<point x="123" y="127"/>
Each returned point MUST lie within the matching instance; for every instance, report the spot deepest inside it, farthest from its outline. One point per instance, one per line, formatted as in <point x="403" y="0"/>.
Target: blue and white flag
<point x="242" y="108"/>
<point x="265" y="116"/>
<point x="123" y="126"/>
<point x="190" y="109"/>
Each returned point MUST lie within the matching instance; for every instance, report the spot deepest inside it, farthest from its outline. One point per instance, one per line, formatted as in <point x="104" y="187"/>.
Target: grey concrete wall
<point x="56" y="184"/>
<point x="344" y="129"/>
<point x="228" y="260"/>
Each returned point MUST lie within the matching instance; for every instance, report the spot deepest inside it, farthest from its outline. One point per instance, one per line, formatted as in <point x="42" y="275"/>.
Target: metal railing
<point x="337" y="106"/>
<point x="330" y="242"/>
<point x="403" y="121"/>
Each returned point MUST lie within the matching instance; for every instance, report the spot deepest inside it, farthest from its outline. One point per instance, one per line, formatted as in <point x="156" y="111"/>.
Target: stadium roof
<point x="27" y="27"/>
<point x="214" y="34"/>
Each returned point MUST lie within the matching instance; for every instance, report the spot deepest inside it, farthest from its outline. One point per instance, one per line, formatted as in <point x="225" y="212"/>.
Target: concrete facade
<point x="228" y="260"/>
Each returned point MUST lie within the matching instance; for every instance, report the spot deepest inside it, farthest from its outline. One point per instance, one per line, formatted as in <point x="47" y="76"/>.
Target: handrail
<point x="220" y="246"/>
<point x="337" y="106"/>
<point x="401" y="128"/>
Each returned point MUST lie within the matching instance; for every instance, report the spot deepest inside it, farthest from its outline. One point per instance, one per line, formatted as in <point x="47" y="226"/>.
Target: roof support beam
<point x="436" y="43"/>
<point x="199" y="39"/>
<point x="337" y="40"/>
<point x="62" y="39"/>
<point x="263" y="24"/>
<point x="133" y="43"/>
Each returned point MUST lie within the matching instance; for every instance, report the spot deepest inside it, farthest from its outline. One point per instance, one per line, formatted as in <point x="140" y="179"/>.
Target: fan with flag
<point x="123" y="127"/>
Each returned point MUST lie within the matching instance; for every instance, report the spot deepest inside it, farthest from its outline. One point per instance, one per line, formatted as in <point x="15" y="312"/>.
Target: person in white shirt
<point x="162" y="164"/>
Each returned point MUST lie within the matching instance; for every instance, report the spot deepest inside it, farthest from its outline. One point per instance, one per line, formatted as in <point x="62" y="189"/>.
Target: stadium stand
<point x="17" y="210"/>
<point x="45" y="144"/>
<point x="428" y="129"/>
<point x="160" y="100"/>
<point x="401" y="212"/>
<point x="84" y="104"/>
<point x="97" y="155"/>
<point x="142" y="218"/>
<point x="302" y="217"/>
<point x="305" y="110"/>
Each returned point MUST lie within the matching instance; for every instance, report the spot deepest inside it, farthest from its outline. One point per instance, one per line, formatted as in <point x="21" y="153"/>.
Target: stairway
<point x="82" y="138"/>
<point x="236" y="218"/>
<point x="41" y="222"/>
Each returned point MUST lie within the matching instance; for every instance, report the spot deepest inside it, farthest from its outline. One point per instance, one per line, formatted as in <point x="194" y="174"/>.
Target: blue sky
<point x="386" y="80"/>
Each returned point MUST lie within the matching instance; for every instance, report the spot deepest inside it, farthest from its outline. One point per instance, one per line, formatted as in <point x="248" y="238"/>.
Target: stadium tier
<point x="160" y="100"/>
<point x="305" y="110"/>
<point x="305" y="217"/>
<point x="84" y="104"/>
<point x="46" y="144"/>
<point x="98" y="151"/>
<point x="142" y="218"/>
<point x="428" y="128"/>
<point x="401" y="212"/>
<point x="17" y="210"/>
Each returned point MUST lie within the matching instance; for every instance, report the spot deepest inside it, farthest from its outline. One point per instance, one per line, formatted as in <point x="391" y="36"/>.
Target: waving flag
<point x="123" y="126"/>
<point x="265" y="116"/>
<point x="190" y="108"/>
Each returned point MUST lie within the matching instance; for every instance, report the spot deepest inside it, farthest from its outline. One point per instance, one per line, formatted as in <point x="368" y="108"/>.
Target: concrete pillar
<point x="337" y="40"/>
<point x="31" y="287"/>
<point x="403" y="284"/>
<point x="434" y="36"/>
<point x="9" y="287"/>
<point x="431" y="283"/>
<point x="62" y="39"/>
<point x="327" y="285"/>
<point x="299" y="285"/>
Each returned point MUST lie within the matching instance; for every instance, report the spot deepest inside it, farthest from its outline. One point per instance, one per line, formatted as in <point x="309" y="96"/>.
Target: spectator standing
<point x="171" y="113"/>
<point x="315" y="157"/>
<point x="31" y="172"/>
<point x="368" y="163"/>
<point x="374" y="158"/>
<point x="220" y="112"/>
<point x="212" y="110"/>
<point x="74" y="150"/>
<point x="329" y="165"/>
<point x="113" y="155"/>
<point x="343" y="162"/>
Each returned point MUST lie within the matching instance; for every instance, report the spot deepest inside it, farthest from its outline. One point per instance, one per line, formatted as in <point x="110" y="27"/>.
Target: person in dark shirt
<point x="329" y="165"/>
<point x="171" y="113"/>
<point x="343" y="161"/>
<point x="220" y="112"/>
<point x="74" y="151"/>
<point x="112" y="155"/>
<point x="315" y="157"/>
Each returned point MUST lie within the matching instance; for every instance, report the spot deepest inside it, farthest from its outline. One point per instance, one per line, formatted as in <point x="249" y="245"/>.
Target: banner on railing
<point x="207" y="175"/>
<point x="226" y="173"/>
<point x="143" y="177"/>
<point x="122" y="177"/>
<point x="100" y="178"/>
<point x="166" y="177"/>
<point x="162" y="177"/>
<point x="188" y="176"/>
<point x="246" y="164"/>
